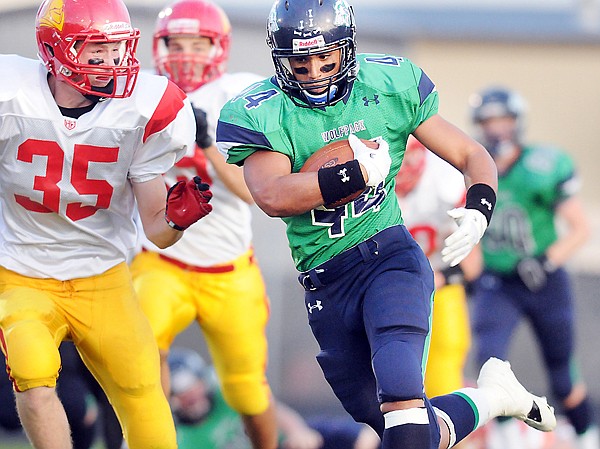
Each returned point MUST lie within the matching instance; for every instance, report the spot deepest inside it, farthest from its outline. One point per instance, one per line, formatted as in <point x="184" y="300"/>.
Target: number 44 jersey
<point x="66" y="196"/>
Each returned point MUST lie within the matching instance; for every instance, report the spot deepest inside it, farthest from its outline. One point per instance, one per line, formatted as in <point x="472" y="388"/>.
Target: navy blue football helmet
<point x="495" y="102"/>
<point x="310" y="27"/>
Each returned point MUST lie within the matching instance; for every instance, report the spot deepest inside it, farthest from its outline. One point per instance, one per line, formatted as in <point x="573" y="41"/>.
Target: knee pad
<point x="354" y="385"/>
<point x="246" y="394"/>
<point x="32" y="353"/>
<point x="33" y="358"/>
<point x="399" y="372"/>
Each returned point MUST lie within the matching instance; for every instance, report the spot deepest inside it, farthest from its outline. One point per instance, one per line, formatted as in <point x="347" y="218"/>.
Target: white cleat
<point x="509" y="398"/>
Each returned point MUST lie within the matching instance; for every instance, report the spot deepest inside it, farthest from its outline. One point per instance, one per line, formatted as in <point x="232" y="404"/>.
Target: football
<point x="334" y="153"/>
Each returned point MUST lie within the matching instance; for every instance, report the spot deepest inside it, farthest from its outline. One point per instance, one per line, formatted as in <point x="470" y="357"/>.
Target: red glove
<point x="187" y="202"/>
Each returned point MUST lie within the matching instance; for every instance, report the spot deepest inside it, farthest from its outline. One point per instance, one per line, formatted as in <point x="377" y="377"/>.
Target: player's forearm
<point x="151" y="201"/>
<point x="480" y="169"/>
<point x="160" y="233"/>
<point x="277" y="191"/>
<point x="231" y="175"/>
<point x="578" y="232"/>
<point x="289" y="195"/>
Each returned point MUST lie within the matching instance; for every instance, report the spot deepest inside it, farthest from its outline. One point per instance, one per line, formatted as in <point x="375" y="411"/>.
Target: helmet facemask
<point x="190" y="70"/>
<point x="325" y="91"/>
<point x="81" y="73"/>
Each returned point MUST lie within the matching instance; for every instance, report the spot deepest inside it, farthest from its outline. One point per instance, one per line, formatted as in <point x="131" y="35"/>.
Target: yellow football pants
<point x="450" y="341"/>
<point x="232" y="309"/>
<point x="103" y="318"/>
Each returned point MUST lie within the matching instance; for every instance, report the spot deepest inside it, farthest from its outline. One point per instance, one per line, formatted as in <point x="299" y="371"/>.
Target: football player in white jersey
<point x="427" y="187"/>
<point x="211" y="275"/>
<point x="83" y="137"/>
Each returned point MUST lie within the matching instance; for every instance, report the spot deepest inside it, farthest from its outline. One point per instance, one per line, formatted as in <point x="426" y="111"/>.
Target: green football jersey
<point x="390" y="98"/>
<point x="528" y="193"/>
<point x="221" y="429"/>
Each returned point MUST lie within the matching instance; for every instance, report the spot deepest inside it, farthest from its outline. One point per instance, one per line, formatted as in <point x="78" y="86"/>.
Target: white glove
<point x="376" y="161"/>
<point x="471" y="226"/>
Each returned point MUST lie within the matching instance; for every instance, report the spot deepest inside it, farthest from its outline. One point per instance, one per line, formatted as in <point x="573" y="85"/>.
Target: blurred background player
<point x="524" y="254"/>
<point x="203" y="419"/>
<point x="85" y="137"/>
<point x="211" y="276"/>
<point x="427" y="187"/>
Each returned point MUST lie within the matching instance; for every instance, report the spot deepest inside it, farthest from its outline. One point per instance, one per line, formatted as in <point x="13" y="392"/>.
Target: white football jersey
<point x="440" y="188"/>
<point x="66" y="196"/>
<point x="226" y="232"/>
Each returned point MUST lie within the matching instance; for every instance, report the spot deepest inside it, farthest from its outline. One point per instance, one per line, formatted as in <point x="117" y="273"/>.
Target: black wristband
<point x="340" y="181"/>
<point x="483" y="198"/>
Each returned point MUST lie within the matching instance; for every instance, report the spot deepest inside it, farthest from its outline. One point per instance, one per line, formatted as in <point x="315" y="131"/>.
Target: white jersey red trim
<point x="424" y="209"/>
<point x="225" y="233"/>
<point x="66" y="197"/>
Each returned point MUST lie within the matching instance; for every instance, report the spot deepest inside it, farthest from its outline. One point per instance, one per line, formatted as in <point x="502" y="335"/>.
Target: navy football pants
<point x="369" y="309"/>
<point x="500" y="302"/>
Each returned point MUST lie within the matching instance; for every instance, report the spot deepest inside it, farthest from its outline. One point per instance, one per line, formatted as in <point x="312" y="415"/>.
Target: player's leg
<point x="450" y="341"/>
<point x="233" y="309"/>
<point x="496" y="314"/>
<point x="398" y="310"/>
<point x="116" y="343"/>
<point x="498" y="393"/>
<point x="76" y="397"/>
<point x="552" y="316"/>
<point x="373" y="302"/>
<point x="343" y="433"/>
<point x="166" y="298"/>
<point x="31" y="328"/>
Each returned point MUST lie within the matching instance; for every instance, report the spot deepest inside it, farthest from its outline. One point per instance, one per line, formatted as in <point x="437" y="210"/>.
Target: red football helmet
<point x="191" y="18"/>
<point x="412" y="166"/>
<point x="65" y="27"/>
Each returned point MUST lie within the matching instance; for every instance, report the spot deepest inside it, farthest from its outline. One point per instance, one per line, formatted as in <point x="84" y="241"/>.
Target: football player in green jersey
<point x="368" y="285"/>
<point x="524" y="255"/>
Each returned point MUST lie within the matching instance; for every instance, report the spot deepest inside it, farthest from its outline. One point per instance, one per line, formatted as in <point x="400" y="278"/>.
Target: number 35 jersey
<point x="66" y="197"/>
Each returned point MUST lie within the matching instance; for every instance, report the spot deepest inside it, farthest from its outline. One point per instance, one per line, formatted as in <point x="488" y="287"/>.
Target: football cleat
<point x="509" y="398"/>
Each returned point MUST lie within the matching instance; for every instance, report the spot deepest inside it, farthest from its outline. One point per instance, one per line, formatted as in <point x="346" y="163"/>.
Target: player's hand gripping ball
<point x="376" y="163"/>
<point x="334" y="153"/>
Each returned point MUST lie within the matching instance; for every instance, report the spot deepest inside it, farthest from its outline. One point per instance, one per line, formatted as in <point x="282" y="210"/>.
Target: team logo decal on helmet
<point x="343" y="14"/>
<point x="54" y="16"/>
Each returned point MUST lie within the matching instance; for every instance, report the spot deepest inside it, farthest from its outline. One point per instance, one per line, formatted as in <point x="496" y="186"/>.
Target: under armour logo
<point x="343" y="173"/>
<point x="369" y="100"/>
<point x="486" y="203"/>
<point x="317" y="306"/>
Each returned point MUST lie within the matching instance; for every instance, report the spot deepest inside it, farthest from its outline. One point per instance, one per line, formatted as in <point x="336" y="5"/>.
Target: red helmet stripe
<point x="168" y="107"/>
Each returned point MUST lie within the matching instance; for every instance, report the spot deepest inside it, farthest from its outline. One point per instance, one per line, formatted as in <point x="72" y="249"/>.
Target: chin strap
<point x="322" y="98"/>
<point x="108" y="89"/>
